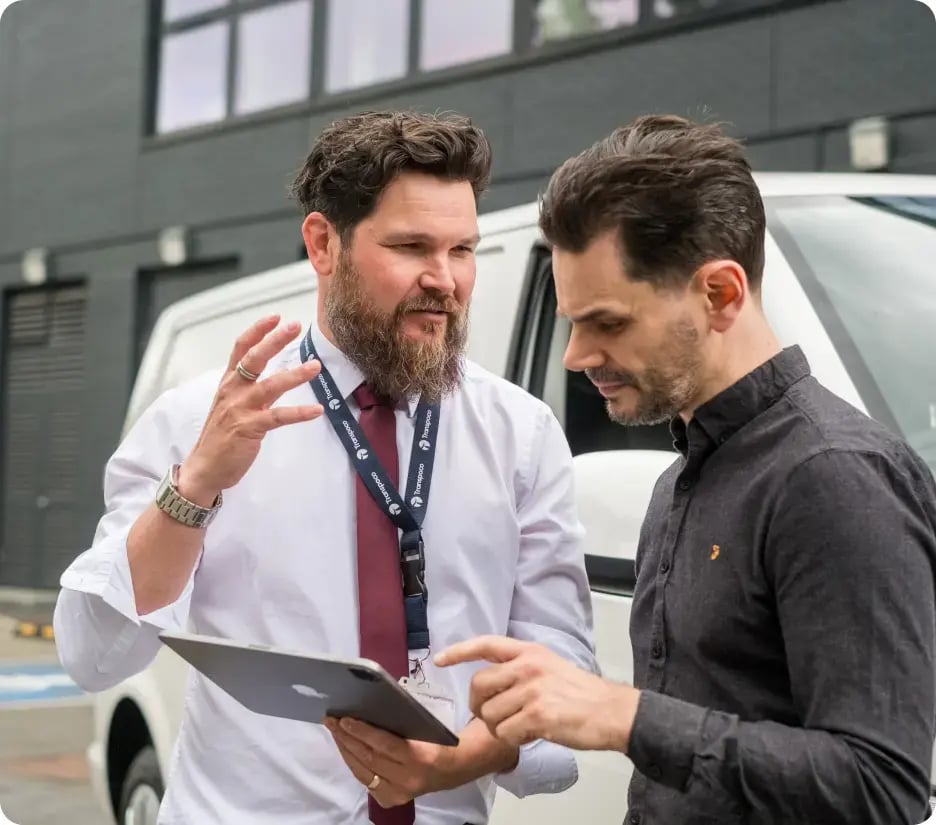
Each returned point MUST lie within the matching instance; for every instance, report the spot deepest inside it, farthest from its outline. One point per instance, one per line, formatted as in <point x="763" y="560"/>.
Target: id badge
<point x="435" y="700"/>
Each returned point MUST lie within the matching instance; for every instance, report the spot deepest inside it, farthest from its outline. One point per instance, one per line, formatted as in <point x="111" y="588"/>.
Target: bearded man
<point x="324" y="443"/>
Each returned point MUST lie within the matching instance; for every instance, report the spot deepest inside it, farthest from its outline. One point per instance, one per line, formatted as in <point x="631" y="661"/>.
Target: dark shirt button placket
<point x="656" y="650"/>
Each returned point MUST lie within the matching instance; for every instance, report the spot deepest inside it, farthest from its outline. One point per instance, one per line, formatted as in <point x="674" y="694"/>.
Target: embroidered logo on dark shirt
<point x="716" y="551"/>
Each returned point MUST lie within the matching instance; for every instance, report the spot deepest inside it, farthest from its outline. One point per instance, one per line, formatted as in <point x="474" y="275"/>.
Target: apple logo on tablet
<point x="309" y="692"/>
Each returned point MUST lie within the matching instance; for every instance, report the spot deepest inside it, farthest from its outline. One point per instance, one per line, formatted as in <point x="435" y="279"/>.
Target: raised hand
<point x="243" y="411"/>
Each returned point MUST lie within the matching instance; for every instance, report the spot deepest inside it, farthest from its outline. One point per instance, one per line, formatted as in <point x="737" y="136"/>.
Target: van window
<point x="867" y="266"/>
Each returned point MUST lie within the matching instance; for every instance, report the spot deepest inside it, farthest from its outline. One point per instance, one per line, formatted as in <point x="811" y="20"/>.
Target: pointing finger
<point x="487" y="648"/>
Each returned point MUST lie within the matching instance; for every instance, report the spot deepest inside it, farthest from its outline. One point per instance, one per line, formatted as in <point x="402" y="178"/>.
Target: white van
<point x="849" y="276"/>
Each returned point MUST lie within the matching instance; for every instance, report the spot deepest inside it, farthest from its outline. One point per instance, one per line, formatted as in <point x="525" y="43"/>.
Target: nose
<point x="438" y="277"/>
<point x="581" y="355"/>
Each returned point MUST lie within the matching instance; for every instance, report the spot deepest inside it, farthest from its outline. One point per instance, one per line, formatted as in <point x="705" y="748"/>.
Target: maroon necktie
<point x="380" y="586"/>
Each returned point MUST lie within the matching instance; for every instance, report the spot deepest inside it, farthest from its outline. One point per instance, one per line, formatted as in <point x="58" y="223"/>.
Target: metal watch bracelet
<point x="174" y="504"/>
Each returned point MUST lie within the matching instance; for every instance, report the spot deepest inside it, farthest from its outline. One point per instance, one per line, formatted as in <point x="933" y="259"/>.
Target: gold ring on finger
<point x="374" y="783"/>
<point x="245" y="373"/>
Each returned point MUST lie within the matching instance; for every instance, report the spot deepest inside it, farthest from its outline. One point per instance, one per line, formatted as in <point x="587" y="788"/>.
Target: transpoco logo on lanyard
<point x="408" y="515"/>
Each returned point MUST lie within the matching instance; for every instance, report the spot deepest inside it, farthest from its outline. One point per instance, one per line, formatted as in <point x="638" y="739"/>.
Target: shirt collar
<point x="718" y="419"/>
<point x="344" y="372"/>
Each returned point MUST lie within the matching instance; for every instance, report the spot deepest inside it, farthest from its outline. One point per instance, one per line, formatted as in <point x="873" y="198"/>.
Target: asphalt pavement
<point x="45" y="727"/>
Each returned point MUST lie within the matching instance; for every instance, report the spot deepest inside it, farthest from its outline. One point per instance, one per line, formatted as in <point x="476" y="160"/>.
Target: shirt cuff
<point x="544" y="767"/>
<point x="104" y="573"/>
<point x="664" y="738"/>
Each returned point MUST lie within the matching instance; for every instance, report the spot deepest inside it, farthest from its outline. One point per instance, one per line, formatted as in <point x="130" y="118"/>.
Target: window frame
<point x="231" y="13"/>
<point x="524" y="53"/>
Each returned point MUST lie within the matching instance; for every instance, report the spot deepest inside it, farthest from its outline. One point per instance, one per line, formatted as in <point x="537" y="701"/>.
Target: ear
<point x="321" y="242"/>
<point x="725" y="290"/>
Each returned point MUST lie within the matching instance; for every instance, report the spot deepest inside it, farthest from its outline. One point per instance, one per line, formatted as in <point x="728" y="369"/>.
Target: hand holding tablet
<point x="309" y="688"/>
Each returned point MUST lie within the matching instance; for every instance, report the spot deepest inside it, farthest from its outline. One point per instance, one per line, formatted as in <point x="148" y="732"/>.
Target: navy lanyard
<point x="406" y="513"/>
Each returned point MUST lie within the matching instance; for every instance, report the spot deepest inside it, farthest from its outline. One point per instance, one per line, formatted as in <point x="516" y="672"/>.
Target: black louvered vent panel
<point x="44" y="376"/>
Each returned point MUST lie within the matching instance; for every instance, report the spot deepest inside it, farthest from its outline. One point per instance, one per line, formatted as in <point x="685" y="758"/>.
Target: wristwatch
<point x="173" y="503"/>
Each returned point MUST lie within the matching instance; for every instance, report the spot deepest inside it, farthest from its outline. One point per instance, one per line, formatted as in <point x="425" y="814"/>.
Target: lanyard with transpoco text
<point x="408" y="515"/>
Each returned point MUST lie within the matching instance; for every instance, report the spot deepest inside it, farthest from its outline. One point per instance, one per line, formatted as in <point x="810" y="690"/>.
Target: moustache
<point x="603" y="375"/>
<point x="449" y="306"/>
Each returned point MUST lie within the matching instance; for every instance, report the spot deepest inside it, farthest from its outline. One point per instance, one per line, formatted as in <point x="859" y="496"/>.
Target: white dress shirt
<point x="278" y="567"/>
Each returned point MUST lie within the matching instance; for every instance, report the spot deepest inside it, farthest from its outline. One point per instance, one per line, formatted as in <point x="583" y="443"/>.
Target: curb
<point x="34" y="630"/>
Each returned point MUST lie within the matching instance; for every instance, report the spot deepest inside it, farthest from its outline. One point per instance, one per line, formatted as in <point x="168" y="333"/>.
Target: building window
<point x="368" y="42"/>
<point x="178" y="9"/>
<point x="193" y="78"/>
<point x="274" y="50"/>
<point x="454" y="33"/>
<point x="562" y="19"/>
<point x="219" y="58"/>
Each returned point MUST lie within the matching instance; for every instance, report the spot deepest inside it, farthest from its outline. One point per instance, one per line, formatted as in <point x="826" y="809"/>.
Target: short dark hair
<point x="678" y="194"/>
<point x="354" y="159"/>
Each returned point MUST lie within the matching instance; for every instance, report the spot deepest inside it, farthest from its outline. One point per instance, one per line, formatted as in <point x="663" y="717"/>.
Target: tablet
<point x="307" y="687"/>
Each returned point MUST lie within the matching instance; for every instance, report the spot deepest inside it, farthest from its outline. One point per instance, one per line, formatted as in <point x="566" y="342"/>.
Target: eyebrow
<point x="598" y="314"/>
<point x="423" y="237"/>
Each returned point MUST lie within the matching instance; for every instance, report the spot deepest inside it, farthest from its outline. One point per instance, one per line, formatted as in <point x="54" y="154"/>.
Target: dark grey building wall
<point x="76" y="167"/>
<point x="79" y="177"/>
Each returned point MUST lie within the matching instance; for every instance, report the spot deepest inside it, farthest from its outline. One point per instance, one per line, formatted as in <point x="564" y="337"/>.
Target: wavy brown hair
<point x="677" y="193"/>
<point x="354" y="159"/>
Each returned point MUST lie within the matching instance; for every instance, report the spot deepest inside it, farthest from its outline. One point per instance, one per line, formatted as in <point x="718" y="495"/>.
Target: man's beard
<point x="393" y="364"/>
<point x="666" y="386"/>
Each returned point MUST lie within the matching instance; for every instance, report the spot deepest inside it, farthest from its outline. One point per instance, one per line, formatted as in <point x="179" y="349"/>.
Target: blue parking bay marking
<point x="32" y="682"/>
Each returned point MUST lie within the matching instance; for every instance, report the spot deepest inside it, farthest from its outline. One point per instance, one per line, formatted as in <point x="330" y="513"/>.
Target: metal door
<point x="43" y="378"/>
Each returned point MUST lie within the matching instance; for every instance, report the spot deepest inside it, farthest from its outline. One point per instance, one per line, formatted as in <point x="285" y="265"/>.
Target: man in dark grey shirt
<point x="784" y="620"/>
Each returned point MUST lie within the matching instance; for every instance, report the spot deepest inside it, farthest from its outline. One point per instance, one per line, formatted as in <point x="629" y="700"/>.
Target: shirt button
<point x="656" y="650"/>
<point x="654" y="772"/>
<point x="685" y="484"/>
<point x="634" y="818"/>
<point x="664" y="566"/>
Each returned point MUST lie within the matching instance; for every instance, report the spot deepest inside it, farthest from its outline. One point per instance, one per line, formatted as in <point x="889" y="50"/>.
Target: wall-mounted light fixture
<point x="869" y="142"/>
<point x="174" y="246"/>
<point x="35" y="266"/>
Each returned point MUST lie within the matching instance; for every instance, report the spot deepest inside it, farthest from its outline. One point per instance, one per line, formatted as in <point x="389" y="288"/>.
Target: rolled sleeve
<point x="552" y="600"/>
<point x="544" y="767"/>
<point x="100" y="637"/>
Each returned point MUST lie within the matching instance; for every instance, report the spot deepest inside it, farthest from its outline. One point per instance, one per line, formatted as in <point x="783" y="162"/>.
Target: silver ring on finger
<point x="245" y="373"/>
<point x="374" y="783"/>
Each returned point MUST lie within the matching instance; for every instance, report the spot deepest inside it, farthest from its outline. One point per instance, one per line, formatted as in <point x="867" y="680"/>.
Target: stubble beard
<point x="665" y="387"/>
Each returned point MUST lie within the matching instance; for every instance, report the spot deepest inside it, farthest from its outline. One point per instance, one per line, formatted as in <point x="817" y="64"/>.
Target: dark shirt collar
<point x="719" y="418"/>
